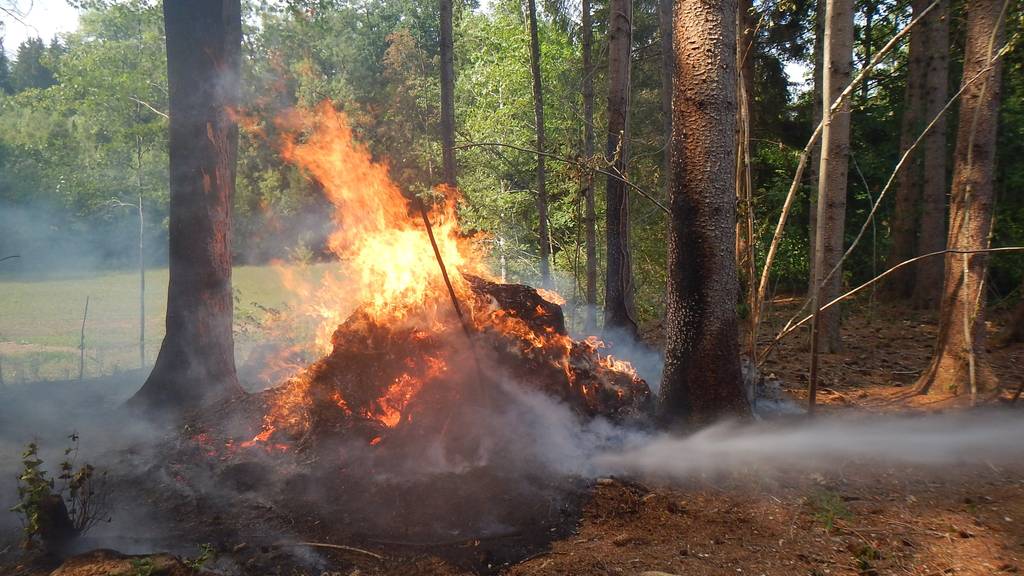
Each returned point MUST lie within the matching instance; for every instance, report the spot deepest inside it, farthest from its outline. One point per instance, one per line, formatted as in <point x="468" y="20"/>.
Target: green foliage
<point x="81" y="489"/>
<point x="207" y="554"/>
<point x="828" y="507"/>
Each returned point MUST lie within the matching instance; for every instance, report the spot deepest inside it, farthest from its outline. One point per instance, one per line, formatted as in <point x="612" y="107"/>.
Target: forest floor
<point x="861" y="518"/>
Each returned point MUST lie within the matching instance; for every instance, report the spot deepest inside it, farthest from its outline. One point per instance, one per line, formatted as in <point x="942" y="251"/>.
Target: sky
<point x="43" y="18"/>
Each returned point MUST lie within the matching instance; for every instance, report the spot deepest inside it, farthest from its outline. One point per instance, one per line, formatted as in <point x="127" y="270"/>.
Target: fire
<point x="388" y="266"/>
<point x="386" y="329"/>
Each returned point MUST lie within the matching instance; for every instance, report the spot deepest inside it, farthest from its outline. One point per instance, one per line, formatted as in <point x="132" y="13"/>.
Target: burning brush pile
<point x="444" y="405"/>
<point x="422" y="344"/>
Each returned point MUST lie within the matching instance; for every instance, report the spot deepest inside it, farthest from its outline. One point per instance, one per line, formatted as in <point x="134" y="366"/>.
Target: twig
<point x="333" y="547"/>
<point x="154" y="110"/>
<point x="785" y="331"/>
<point x="11" y="257"/>
<point x="806" y="152"/>
<point x="81" y="342"/>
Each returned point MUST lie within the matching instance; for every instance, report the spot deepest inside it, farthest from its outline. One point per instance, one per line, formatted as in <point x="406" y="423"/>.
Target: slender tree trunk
<point x="538" y="113"/>
<point x="745" y="91"/>
<point x="447" y="93"/>
<point x="868" y="40"/>
<point x="928" y="283"/>
<point x="590" y="218"/>
<point x="702" y="379"/>
<point x="618" y="295"/>
<point x="667" y="77"/>
<point x="832" y="171"/>
<point x="196" y="361"/>
<point x="960" y="346"/>
<point x="1014" y="331"/>
<point x="908" y="191"/>
<point x="815" y="159"/>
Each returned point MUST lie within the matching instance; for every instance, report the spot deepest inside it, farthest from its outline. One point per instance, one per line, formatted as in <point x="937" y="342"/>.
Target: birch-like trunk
<point x="832" y="171"/>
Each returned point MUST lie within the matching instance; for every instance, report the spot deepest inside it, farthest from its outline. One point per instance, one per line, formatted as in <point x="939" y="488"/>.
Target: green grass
<point x="40" y="320"/>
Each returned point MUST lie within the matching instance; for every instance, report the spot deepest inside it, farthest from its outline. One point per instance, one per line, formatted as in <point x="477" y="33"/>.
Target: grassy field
<point x="40" y="320"/>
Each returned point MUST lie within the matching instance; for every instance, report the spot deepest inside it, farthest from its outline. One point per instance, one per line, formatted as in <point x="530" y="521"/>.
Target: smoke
<point x="986" y="437"/>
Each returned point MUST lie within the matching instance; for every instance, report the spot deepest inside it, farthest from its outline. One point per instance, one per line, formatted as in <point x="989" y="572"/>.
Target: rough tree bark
<point x="196" y="361"/>
<point x="908" y="191"/>
<point x="832" y="170"/>
<point x="815" y="159"/>
<point x="702" y="379"/>
<point x="928" y="281"/>
<point x="618" y="288"/>
<point x="590" y="217"/>
<point x="538" y="114"/>
<point x="446" y="38"/>
<point x="960" y="346"/>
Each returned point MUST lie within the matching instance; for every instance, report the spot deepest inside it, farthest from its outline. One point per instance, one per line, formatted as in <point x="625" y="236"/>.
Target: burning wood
<point x="383" y="376"/>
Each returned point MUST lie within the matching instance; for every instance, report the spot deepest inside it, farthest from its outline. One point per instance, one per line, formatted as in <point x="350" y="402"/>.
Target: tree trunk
<point x="1014" y="331"/>
<point x="196" y="361"/>
<point x="832" y="171"/>
<point x="702" y="379"/>
<point x="928" y="283"/>
<point x="745" y="24"/>
<point x="667" y="76"/>
<point x="960" y="346"/>
<point x="618" y="295"/>
<point x="447" y="93"/>
<point x="538" y="113"/>
<point x="590" y="219"/>
<point x="869" y="16"/>
<point x="815" y="159"/>
<point x="908" y="189"/>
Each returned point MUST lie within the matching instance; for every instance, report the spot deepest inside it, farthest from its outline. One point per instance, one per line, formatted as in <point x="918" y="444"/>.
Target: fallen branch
<point x="333" y="547"/>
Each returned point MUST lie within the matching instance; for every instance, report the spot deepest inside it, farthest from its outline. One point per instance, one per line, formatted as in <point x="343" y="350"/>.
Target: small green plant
<point x="142" y="567"/>
<point x="829" y="507"/>
<point x="207" y="554"/>
<point x="866" y="557"/>
<point x="49" y="510"/>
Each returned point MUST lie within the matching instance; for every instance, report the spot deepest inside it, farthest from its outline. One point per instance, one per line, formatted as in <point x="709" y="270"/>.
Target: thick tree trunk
<point x="538" y="114"/>
<point x="618" y="289"/>
<point x="928" y="282"/>
<point x="590" y="218"/>
<point x="908" y="191"/>
<point x="702" y="379"/>
<point x="196" y="362"/>
<point x="815" y="160"/>
<point x="959" y="351"/>
<point x="446" y="38"/>
<point x="832" y="171"/>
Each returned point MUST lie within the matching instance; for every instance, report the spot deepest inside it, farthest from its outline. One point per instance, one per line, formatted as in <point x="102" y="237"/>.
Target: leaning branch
<point x="806" y="152"/>
<point x="876" y="279"/>
<point x="562" y="159"/>
<point x="899" y="166"/>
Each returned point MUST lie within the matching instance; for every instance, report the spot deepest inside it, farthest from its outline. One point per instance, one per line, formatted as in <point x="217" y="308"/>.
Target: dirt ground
<point x="859" y="519"/>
